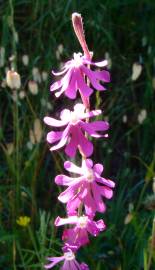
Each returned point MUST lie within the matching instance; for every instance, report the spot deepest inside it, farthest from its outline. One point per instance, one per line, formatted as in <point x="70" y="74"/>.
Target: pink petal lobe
<point x="54" y="136"/>
<point x="98" y="168"/>
<point x="106" y="192"/>
<point x="84" y="88"/>
<point x="92" y="114"/>
<point x="71" y="147"/>
<point x="93" y="79"/>
<point x="72" y="88"/>
<point x="101" y="225"/>
<point x="85" y="145"/>
<point x="103" y="75"/>
<point x="90" y="129"/>
<point x="69" y="193"/>
<point x="66" y="81"/>
<point x="56" y="85"/>
<point x="71" y="167"/>
<point x="63" y="221"/>
<point x="107" y="182"/>
<point x="63" y="180"/>
<point x="100" y="125"/>
<point x="62" y="142"/>
<point x="54" y="122"/>
<point x="98" y="199"/>
<point x="59" y="73"/>
<point x="54" y="260"/>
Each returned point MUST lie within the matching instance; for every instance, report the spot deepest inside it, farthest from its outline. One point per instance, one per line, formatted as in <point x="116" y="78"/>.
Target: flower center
<point x="69" y="256"/>
<point x="77" y="59"/>
<point x="89" y="174"/>
<point x="82" y="221"/>
<point x="74" y="118"/>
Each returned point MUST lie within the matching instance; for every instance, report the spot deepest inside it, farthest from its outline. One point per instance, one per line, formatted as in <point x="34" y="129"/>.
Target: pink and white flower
<point x="78" y="235"/>
<point x="74" y="72"/>
<point x="88" y="188"/>
<point x="70" y="263"/>
<point x="73" y="134"/>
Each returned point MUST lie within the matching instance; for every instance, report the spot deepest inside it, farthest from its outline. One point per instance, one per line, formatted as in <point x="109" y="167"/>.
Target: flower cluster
<point x="86" y="189"/>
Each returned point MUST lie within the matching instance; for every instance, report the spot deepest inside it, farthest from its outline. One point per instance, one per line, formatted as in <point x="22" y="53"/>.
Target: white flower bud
<point x="36" y="75"/>
<point x="142" y="116"/>
<point x="33" y="87"/>
<point x="25" y="60"/>
<point x="124" y="119"/>
<point x="13" y="79"/>
<point x="136" y="71"/>
<point x="44" y="76"/>
<point x="22" y="94"/>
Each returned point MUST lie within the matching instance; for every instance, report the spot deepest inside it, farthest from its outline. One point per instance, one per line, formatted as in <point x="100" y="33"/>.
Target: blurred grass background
<point x="35" y="37"/>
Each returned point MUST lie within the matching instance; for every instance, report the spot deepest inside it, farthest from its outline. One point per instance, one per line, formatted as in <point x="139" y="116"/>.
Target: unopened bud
<point x="33" y="87"/>
<point x="79" y="31"/>
<point x="13" y="79"/>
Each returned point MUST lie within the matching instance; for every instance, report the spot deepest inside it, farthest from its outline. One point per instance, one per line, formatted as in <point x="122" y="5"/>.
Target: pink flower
<point x="70" y="263"/>
<point x="74" y="72"/>
<point x="78" y="235"/>
<point x="73" y="134"/>
<point x="88" y="188"/>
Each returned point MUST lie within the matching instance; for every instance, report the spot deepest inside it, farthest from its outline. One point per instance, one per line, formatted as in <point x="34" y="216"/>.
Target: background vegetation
<point x="124" y="32"/>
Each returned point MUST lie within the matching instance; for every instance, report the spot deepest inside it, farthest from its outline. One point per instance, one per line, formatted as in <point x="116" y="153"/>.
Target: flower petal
<point x="93" y="79"/>
<point x="73" y="204"/>
<point x="54" y="136"/>
<point x="100" y="125"/>
<point x="65" y="115"/>
<point x="69" y="193"/>
<point x="91" y="114"/>
<point x="103" y="75"/>
<point x="79" y="109"/>
<point x="106" y="192"/>
<point x="66" y="81"/>
<point x="63" y="140"/>
<point x="71" y="167"/>
<point x="85" y="145"/>
<point x="89" y="129"/>
<point x="56" y="85"/>
<point x="86" y="164"/>
<point x="63" y="221"/>
<point x="72" y="87"/>
<point x="63" y="180"/>
<point x="98" y="199"/>
<point x="98" y="168"/>
<point x="71" y="147"/>
<point x="101" y="225"/>
<point x="54" y="122"/>
<point x="106" y="182"/>
<point x="89" y="204"/>
<point x="59" y="145"/>
<point x="97" y="64"/>
<point x="83" y="87"/>
<point x="54" y="260"/>
<point x="60" y="72"/>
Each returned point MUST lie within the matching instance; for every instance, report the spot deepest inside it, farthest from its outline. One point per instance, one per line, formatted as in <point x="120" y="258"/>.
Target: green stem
<point x="152" y="245"/>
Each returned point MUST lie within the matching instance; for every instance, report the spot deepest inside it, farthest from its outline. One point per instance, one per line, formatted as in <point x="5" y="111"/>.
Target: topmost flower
<point x="75" y="71"/>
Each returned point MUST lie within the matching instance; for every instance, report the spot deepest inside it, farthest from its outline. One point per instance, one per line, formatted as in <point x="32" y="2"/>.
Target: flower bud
<point x="33" y="87"/>
<point x="25" y="59"/>
<point x="13" y="79"/>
